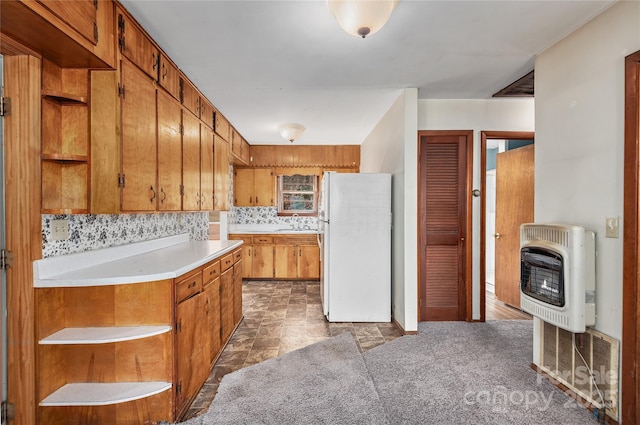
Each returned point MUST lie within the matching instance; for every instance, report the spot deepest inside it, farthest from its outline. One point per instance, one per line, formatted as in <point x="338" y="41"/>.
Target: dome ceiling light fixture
<point x="361" y="18"/>
<point x="291" y="131"/>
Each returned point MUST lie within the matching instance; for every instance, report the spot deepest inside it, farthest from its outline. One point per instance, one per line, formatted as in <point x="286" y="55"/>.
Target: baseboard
<point x="587" y="405"/>
<point x="401" y="329"/>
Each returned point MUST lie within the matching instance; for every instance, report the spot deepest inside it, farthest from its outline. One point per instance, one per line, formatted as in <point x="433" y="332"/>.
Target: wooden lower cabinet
<point x="192" y="369"/>
<point x="257" y="256"/>
<point x="237" y="292"/>
<point x="296" y="257"/>
<point x="208" y="309"/>
<point x="226" y="304"/>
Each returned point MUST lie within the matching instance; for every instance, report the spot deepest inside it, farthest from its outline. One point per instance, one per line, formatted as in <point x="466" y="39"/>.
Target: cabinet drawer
<point x="188" y="286"/>
<point x="210" y="273"/>
<point x="263" y="240"/>
<point x="296" y="240"/>
<point x="226" y="262"/>
<point x="237" y="255"/>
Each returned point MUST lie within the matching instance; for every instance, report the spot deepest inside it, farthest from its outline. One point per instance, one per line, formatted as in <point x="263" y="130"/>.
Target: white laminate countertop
<point x="277" y="229"/>
<point x="164" y="258"/>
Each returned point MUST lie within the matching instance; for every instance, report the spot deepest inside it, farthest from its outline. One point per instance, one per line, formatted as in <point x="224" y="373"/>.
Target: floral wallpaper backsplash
<point x="94" y="231"/>
<point x="267" y="215"/>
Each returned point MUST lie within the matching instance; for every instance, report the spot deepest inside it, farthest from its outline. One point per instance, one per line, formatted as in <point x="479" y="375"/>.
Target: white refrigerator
<point x="354" y="233"/>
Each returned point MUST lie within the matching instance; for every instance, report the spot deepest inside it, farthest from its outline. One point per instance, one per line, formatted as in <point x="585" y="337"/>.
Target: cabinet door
<point x="190" y="162"/>
<point x="206" y="168"/>
<point x="226" y="305"/>
<point x="212" y="308"/>
<point x="221" y="126"/>
<point x="236" y="143"/>
<point x="262" y="261"/>
<point x="81" y="15"/>
<point x="206" y="112"/>
<point x="138" y="140"/>
<point x="247" y="260"/>
<point x="285" y="262"/>
<point x="190" y="97"/>
<point x="237" y="292"/>
<point x="136" y="46"/>
<point x="221" y="174"/>
<point x="169" y="77"/>
<point x="245" y="152"/>
<point x="243" y="187"/>
<point x="169" y="153"/>
<point x="190" y="355"/>
<point x="264" y="184"/>
<point x="309" y="262"/>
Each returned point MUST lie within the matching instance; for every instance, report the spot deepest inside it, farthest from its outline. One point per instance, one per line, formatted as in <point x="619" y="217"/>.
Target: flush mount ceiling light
<point x="361" y="18"/>
<point x="291" y="131"/>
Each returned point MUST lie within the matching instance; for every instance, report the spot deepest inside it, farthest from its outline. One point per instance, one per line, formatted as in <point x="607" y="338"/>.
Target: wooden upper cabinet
<point x="81" y="15"/>
<point x="243" y="187"/>
<point x="136" y="46"/>
<point x="169" y="77"/>
<point x="206" y="112"/>
<point x="71" y="34"/>
<point x="139" y="191"/>
<point x="325" y="156"/>
<point x="236" y="143"/>
<point x="190" y="162"/>
<point x="253" y="187"/>
<point x="190" y="97"/>
<point x="222" y="126"/>
<point x="169" y="153"/>
<point x="206" y="168"/>
<point x="221" y="174"/>
<point x="245" y="152"/>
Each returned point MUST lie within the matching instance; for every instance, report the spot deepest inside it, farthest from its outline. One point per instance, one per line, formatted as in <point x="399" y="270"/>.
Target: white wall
<point x="503" y="114"/>
<point x="579" y="153"/>
<point x="388" y="149"/>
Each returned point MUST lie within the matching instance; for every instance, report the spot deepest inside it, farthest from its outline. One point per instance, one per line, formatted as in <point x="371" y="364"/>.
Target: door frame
<point x="468" y="283"/>
<point x="484" y="136"/>
<point x="630" y="393"/>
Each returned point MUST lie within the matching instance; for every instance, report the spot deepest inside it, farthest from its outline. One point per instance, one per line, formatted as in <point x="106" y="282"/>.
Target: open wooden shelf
<point x="102" y="394"/>
<point x="64" y="98"/>
<point x="103" y="335"/>
<point x="61" y="158"/>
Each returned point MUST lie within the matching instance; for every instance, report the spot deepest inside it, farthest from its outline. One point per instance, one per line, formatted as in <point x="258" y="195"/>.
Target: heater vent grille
<point x="558" y="235"/>
<point x="548" y="315"/>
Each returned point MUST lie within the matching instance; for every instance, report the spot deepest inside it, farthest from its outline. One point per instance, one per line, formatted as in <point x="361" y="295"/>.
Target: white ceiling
<point x="263" y="63"/>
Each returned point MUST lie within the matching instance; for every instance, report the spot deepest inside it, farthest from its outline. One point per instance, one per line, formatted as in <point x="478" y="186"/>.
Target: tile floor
<point x="282" y="316"/>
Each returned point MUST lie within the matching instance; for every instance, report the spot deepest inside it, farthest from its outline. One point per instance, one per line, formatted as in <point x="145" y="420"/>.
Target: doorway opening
<point x="506" y="181"/>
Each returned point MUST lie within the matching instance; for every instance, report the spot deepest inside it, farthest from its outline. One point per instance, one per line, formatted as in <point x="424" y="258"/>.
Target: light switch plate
<point x="612" y="227"/>
<point x="59" y="230"/>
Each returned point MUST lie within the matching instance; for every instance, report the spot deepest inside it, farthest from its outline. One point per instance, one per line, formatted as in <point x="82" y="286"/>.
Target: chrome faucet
<point x="294" y="221"/>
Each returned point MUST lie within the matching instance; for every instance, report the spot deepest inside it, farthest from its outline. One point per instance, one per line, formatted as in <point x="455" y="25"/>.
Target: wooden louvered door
<point x="444" y="224"/>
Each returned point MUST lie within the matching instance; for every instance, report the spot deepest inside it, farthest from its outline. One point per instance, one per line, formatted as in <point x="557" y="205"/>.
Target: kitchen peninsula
<point x="132" y="331"/>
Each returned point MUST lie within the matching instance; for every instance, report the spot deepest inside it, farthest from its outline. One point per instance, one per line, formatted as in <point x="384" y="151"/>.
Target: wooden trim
<point x="630" y="393"/>
<point x="22" y="76"/>
<point x="469" y="230"/>
<point x="484" y="136"/>
<point x="579" y="399"/>
<point x="399" y="327"/>
<point x="467" y="214"/>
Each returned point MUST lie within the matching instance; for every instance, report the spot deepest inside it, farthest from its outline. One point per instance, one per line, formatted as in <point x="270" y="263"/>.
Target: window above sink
<point x="297" y="194"/>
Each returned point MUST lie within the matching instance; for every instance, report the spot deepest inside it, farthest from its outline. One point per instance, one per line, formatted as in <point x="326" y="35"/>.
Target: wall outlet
<point x="59" y="230"/>
<point x="612" y="227"/>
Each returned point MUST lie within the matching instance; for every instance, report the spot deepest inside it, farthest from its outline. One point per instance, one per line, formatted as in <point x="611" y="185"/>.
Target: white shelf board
<point x="102" y="394"/>
<point x="103" y="335"/>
